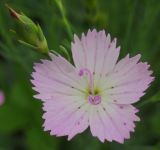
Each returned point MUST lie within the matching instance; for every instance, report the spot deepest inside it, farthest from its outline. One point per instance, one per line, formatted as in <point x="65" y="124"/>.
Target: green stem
<point x="130" y="23"/>
<point x="154" y="99"/>
<point x="143" y="103"/>
<point x="65" y="20"/>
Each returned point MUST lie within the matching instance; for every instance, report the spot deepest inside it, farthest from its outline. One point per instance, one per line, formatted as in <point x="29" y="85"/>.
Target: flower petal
<point x="111" y="132"/>
<point x="118" y="127"/>
<point x="56" y="76"/>
<point x="95" y="51"/>
<point x="128" y="82"/>
<point x="66" y="116"/>
<point x="96" y="126"/>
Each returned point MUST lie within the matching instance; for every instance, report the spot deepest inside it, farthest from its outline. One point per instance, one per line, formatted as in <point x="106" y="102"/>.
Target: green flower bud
<point x="30" y="34"/>
<point x="65" y="53"/>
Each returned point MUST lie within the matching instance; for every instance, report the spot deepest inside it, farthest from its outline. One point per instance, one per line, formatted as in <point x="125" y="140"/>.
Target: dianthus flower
<point x="96" y="92"/>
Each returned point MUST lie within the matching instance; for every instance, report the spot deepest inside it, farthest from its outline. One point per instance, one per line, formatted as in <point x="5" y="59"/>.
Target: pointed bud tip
<point x="13" y="13"/>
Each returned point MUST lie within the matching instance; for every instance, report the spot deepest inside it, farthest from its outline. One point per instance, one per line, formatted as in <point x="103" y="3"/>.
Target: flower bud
<point x="2" y="98"/>
<point x="30" y="34"/>
<point x="65" y="53"/>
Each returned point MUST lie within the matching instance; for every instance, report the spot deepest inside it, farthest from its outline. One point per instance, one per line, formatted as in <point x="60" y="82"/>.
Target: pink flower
<point x="1" y="98"/>
<point x="98" y="92"/>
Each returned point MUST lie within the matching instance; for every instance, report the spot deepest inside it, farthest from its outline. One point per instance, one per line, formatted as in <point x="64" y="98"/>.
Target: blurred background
<point x="136" y="24"/>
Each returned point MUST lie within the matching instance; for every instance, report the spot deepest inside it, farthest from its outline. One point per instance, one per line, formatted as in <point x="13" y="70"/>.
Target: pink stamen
<point x="95" y="100"/>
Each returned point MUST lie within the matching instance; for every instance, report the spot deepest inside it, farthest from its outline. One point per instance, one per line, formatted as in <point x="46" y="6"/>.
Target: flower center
<point x="92" y="94"/>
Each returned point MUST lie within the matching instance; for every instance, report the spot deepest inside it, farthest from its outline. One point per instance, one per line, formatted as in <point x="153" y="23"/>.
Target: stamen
<point x="87" y="72"/>
<point x="95" y="100"/>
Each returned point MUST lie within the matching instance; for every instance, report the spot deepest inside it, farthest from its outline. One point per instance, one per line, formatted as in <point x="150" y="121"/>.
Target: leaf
<point x="38" y="140"/>
<point x="12" y="119"/>
<point x="15" y="112"/>
<point x="156" y="97"/>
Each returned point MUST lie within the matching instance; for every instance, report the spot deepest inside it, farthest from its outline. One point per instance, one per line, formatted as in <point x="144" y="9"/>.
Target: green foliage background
<point x="136" y="24"/>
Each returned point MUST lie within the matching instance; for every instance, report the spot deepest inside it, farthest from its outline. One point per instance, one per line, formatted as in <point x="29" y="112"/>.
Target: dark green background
<point x="136" y="24"/>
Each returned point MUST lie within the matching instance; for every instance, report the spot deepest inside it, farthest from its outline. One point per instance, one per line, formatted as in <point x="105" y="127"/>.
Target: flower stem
<point x="65" y="20"/>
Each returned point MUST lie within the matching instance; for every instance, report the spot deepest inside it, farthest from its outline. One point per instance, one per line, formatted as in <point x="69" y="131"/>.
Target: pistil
<point x="87" y="72"/>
